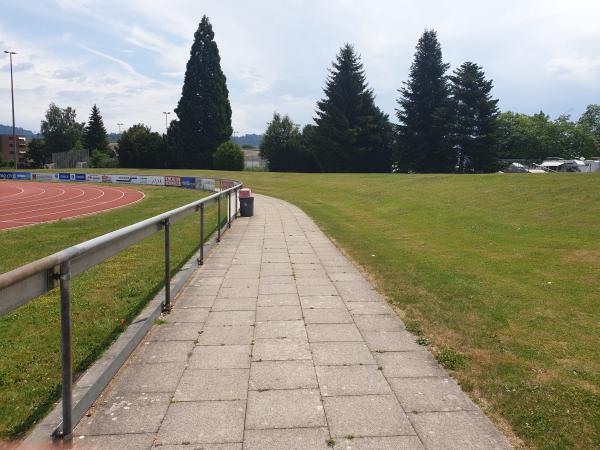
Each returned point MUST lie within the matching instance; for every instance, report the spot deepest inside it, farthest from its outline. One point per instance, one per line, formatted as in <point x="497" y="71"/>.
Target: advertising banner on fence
<point x="42" y="176"/>
<point x="94" y="178"/>
<point x="172" y="181"/>
<point x="205" y="184"/>
<point x="153" y="180"/>
<point x="15" y="175"/>
<point x="226" y="184"/>
<point x="125" y="179"/>
<point x="188" y="182"/>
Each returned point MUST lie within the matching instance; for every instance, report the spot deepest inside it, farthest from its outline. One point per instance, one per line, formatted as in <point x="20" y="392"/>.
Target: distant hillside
<point x="7" y="129"/>
<point x="253" y="139"/>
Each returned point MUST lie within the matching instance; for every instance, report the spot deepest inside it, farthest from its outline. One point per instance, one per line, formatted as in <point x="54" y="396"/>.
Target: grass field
<point x="500" y="274"/>
<point x="105" y="298"/>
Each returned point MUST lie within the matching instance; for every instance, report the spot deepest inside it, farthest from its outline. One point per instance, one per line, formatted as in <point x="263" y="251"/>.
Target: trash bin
<point x="246" y="203"/>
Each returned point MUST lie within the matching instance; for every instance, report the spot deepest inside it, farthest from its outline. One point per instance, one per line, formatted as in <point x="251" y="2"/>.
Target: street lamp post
<point x="166" y="124"/>
<point x="12" y="95"/>
<point x="119" y="125"/>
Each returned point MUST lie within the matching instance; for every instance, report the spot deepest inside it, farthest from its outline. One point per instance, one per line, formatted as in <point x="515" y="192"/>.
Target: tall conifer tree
<point x="95" y="134"/>
<point x="204" y="111"/>
<point x="475" y="116"/>
<point x="424" y="112"/>
<point x="352" y="134"/>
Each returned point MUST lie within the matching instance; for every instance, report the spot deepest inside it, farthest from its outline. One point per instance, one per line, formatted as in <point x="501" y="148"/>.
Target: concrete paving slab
<point x="429" y="394"/>
<point x="221" y="357"/>
<point x="142" y="441"/>
<point x="278" y="300"/>
<point x="157" y="377"/>
<point x="198" y="301"/>
<point x="237" y="446"/>
<point x="216" y="384"/>
<point x="351" y="380"/>
<point x="229" y="335"/>
<point x="162" y="351"/>
<point x="298" y="408"/>
<point x="380" y="443"/>
<point x="378" y="323"/>
<point x="291" y="329"/>
<point x="178" y="331"/>
<point x="203" y="422"/>
<point x="468" y="430"/>
<point x="409" y="364"/>
<point x="287" y="288"/>
<point x="188" y="315"/>
<point x="322" y="301"/>
<point x="122" y="413"/>
<point x="238" y="292"/>
<point x="268" y="375"/>
<point x="280" y="350"/>
<point x="391" y="341"/>
<point x="340" y="353"/>
<point x="230" y="318"/>
<point x="235" y="304"/>
<point x="357" y="308"/>
<point x="333" y="332"/>
<point x="290" y="439"/>
<point x="308" y="290"/>
<point x="265" y="313"/>
<point x="327" y="315"/>
<point x="366" y="415"/>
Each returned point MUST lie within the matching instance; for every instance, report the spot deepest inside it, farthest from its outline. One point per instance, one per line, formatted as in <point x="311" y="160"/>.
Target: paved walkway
<point x="280" y="343"/>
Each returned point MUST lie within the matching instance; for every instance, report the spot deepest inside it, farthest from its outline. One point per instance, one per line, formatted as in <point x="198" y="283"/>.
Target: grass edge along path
<point x="499" y="274"/>
<point x="105" y="299"/>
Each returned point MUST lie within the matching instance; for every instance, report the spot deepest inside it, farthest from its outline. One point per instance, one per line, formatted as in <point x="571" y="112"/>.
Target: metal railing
<point x="23" y="284"/>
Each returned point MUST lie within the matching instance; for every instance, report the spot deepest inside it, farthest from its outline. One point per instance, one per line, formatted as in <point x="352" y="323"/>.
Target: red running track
<point x="27" y="203"/>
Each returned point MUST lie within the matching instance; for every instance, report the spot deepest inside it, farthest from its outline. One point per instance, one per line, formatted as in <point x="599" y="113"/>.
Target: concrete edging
<point x="93" y="382"/>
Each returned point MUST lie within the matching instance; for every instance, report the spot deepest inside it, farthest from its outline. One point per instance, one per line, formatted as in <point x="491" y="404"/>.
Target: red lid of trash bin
<point x="245" y="193"/>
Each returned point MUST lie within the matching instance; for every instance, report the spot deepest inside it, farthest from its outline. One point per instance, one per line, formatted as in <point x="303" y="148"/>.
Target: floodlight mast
<point x="166" y="124"/>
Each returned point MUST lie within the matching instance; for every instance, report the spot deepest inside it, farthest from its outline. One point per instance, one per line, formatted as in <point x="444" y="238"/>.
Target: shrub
<point x="229" y="156"/>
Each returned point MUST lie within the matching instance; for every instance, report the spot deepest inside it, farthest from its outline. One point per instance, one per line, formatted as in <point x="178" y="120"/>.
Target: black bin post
<point x="247" y="207"/>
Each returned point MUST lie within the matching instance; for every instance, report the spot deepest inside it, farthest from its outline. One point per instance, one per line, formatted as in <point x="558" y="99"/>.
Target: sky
<point x="129" y="56"/>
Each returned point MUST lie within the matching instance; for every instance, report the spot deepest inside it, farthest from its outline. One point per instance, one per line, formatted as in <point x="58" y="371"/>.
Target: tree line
<point x="447" y="122"/>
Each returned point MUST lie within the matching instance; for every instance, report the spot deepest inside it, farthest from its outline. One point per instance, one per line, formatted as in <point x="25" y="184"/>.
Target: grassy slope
<point x="104" y="297"/>
<point x="500" y="272"/>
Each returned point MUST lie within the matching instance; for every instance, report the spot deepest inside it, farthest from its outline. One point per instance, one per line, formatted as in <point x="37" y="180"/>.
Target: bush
<point x="229" y="156"/>
<point x="99" y="158"/>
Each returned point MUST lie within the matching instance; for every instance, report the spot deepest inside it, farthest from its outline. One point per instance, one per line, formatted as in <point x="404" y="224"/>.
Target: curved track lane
<point x="27" y="203"/>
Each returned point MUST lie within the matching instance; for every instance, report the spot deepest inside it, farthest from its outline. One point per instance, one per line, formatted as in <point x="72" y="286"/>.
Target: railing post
<point x="66" y="350"/>
<point x="219" y="218"/>
<point x="228" y="209"/>
<point x="167" y="305"/>
<point x="201" y="258"/>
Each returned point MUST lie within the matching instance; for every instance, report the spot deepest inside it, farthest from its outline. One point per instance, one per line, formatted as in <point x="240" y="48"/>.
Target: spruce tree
<point x="352" y="134"/>
<point x="204" y="111"/>
<point x="424" y="112"/>
<point x="475" y="119"/>
<point x="95" y="134"/>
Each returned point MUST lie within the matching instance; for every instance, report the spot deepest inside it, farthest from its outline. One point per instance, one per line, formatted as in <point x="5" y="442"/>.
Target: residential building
<point x="7" y="152"/>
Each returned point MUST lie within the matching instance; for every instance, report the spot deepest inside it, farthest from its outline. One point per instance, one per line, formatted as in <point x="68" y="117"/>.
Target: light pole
<point x="12" y="95"/>
<point x="119" y="125"/>
<point x="166" y="125"/>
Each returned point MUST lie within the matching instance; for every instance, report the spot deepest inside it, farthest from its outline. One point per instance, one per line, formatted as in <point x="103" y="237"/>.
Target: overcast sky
<point x="129" y="56"/>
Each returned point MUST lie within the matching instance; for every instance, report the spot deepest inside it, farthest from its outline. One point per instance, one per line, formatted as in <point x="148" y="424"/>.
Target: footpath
<point x="279" y="342"/>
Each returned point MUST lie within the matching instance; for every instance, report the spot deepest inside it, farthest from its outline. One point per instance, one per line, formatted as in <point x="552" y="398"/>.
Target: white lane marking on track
<point x="27" y="199"/>
<point x="45" y="200"/>
<point x="12" y="195"/>
<point x="83" y="192"/>
<point x="74" y="209"/>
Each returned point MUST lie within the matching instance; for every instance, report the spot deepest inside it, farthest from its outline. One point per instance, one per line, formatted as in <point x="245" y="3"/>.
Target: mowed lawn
<point x="499" y="275"/>
<point x="105" y="299"/>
